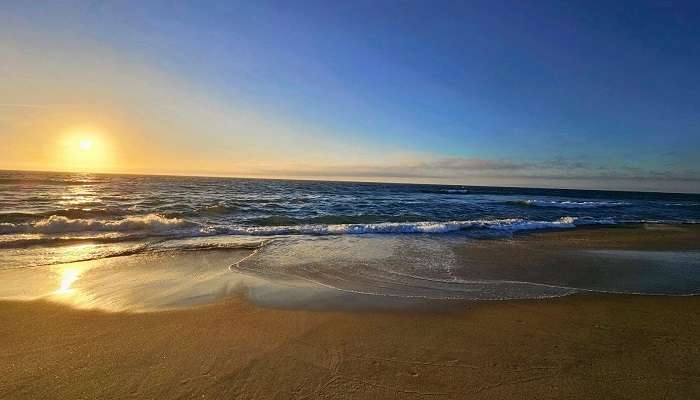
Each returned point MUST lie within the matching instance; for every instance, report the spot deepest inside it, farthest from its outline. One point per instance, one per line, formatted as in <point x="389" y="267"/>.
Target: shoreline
<point x="230" y="339"/>
<point x="577" y="346"/>
<point x="379" y="271"/>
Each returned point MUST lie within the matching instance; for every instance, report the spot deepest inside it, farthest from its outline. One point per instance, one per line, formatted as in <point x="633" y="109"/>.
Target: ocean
<point x="324" y="228"/>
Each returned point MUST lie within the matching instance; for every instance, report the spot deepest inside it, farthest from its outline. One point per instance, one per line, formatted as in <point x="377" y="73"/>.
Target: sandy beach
<point x="583" y="346"/>
<point x="349" y="200"/>
<point x="262" y="341"/>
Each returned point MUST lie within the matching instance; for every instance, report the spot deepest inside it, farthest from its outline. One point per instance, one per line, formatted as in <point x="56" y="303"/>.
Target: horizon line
<point x="299" y="179"/>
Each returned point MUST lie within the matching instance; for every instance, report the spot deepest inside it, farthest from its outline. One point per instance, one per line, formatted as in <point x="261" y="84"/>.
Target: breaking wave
<point x="566" y="203"/>
<point x="61" y="224"/>
<point x="57" y="231"/>
<point x="446" y="191"/>
<point x="60" y="230"/>
<point x="404" y="227"/>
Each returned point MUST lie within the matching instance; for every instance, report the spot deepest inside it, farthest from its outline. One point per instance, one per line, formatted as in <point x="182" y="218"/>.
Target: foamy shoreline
<point x="371" y="271"/>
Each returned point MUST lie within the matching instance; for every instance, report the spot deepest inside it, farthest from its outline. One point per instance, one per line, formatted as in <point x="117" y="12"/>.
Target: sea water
<point x="394" y="240"/>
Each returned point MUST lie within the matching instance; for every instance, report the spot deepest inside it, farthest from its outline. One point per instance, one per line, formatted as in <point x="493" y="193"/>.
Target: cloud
<point x="472" y="164"/>
<point x="463" y="169"/>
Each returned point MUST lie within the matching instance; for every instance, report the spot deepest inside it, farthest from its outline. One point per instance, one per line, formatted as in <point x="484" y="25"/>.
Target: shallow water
<point x="357" y="272"/>
<point x="139" y="282"/>
<point x="450" y="267"/>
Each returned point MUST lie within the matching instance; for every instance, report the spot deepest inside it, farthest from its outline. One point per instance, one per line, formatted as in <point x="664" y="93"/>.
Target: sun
<point x="85" y="144"/>
<point x="84" y="150"/>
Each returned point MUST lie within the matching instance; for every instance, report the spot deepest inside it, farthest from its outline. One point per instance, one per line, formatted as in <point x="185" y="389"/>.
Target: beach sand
<point x="582" y="346"/>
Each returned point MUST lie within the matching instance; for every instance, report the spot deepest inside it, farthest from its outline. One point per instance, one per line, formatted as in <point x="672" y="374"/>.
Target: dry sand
<point x="583" y="346"/>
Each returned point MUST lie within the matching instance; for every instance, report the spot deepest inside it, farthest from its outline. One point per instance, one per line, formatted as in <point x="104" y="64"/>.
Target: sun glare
<point x="84" y="150"/>
<point x="85" y="144"/>
<point x="68" y="277"/>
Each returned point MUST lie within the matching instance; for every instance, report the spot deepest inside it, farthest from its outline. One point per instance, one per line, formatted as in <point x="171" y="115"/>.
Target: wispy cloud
<point x="455" y="168"/>
<point x="19" y="105"/>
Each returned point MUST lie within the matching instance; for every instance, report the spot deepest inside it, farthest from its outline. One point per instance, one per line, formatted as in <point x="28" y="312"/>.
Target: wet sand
<point x="632" y="259"/>
<point x="582" y="346"/>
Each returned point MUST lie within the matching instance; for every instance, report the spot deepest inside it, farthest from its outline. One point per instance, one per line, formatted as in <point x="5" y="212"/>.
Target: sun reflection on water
<point x="70" y="273"/>
<point x="68" y="277"/>
<point x="79" y="195"/>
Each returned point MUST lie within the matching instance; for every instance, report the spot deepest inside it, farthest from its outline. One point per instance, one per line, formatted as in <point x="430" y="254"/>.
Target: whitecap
<point x="60" y="224"/>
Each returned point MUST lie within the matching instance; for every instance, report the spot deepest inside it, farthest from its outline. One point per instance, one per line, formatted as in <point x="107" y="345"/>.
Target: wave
<point x="136" y="227"/>
<point x="215" y="243"/>
<point x="281" y="220"/>
<point x="218" y="209"/>
<point x="404" y="227"/>
<point x="566" y="203"/>
<point x="29" y="240"/>
<point x="685" y="204"/>
<point x="59" y="231"/>
<point x="660" y="221"/>
<point x="70" y="213"/>
<point x="46" y="181"/>
<point x="59" y="224"/>
<point x="98" y="251"/>
<point x="448" y="191"/>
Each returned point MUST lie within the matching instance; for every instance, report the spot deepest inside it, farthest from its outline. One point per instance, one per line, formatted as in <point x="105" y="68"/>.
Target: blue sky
<point x="582" y="94"/>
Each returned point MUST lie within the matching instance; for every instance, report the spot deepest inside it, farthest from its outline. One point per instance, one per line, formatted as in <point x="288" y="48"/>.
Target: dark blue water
<point x="51" y="204"/>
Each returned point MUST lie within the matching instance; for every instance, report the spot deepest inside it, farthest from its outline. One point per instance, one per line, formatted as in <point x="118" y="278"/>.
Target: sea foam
<point x="566" y="203"/>
<point x="404" y="227"/>
<point x="60" y="224"/>
<point x="161" y="225"/>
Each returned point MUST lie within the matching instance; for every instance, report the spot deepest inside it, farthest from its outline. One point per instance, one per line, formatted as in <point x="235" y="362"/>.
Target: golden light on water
<point x="68" y="277"/>
<point x="68" y="274"/>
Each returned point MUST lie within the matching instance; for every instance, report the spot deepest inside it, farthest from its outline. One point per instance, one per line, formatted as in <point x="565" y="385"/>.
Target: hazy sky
<point x="582" y="94"/>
